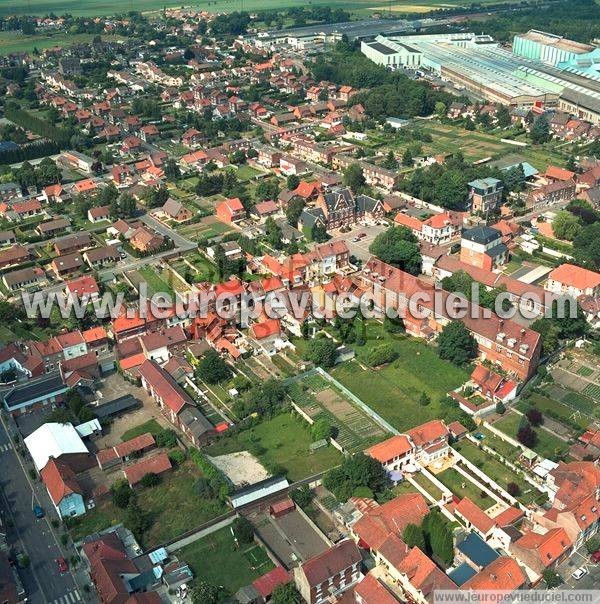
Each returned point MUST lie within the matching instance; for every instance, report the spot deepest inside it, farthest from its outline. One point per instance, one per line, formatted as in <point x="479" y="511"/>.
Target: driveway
<point x="580" y="559"/>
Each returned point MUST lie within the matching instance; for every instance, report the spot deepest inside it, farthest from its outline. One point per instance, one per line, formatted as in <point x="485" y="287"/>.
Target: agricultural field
<point x="11" y="41"/>
<point x="393" y="391"/>
<point x="280" y="442"/>
<point x="217" y="560"/>
<point x="318" y="397"/>
<point x="547" y="445"/>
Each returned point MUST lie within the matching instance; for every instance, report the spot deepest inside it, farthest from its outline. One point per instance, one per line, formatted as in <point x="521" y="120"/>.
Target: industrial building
<point x="548" y="48"/>
<point x="479" y="65"/>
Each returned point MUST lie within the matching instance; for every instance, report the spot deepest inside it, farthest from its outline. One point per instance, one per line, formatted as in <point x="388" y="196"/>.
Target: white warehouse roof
<point x="53" y="440"/>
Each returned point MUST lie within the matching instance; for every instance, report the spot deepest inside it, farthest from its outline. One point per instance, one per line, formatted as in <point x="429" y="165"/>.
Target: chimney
<point x="522" y="331"/>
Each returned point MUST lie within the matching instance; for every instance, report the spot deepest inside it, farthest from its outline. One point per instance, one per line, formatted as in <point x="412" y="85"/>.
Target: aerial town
<point x="298" y="304"/>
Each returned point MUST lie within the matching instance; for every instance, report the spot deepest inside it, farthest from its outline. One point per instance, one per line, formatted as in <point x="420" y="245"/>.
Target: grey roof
<point x="581" y="100"/>
<point x="366" y="203"/>
<point x="45" y="386"/>
<point x="195" y="421"/>
<point x="593" y="194"/>
<point x="482" y="234"/>
<point x="497" y="250"/>
<point x="331" y="198"/>
<point x="382" y="48"/>
<point x="21" y="276"/>
<point x="309" y="217"/>
<point x="118" y="405"/>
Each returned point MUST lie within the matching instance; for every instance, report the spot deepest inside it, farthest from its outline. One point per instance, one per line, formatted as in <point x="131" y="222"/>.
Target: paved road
<point x="42" y="580"/>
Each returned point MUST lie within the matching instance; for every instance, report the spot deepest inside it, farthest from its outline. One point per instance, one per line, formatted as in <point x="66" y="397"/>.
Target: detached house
<point x="230" y="210"/>
<point x="174" y="210"/>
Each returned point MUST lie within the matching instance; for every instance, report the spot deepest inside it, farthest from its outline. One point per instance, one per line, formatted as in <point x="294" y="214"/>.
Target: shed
<point x="281" y="508"/>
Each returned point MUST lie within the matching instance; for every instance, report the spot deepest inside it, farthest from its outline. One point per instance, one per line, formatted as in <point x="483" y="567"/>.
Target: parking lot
<point x="580" y="559"/>
<point x="360" y="248"/>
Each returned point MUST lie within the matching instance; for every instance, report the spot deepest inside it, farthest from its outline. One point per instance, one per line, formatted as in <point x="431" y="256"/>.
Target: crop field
<point x="317" y="396"/>
<point x="11" y="41"/>
<point x="209" y="228"/>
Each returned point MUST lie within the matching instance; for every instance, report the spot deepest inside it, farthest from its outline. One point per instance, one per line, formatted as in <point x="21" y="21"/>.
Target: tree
<point x="321" y="351"/>
<point x="318" y="232"/>
<point x="440" y="109"/>
<point x="127" y="205"/>
<point x="393" y="324"/>
<point x="456" y="344"/>
<point x="121" y="493"/>
<point x="212" y="369"/>
<point x="204" y="593"/>
<point x="292" y="182"/>
<point x="500" y="408"/>
<point x="407" y="157"/>
<point x="354" y="178"/>
<point x="321" y="429"/>
<point x="424" y="399"/>
<point x="513" y="489"/>
<point x="137" y="520"/>
<point x="540" y="131"/>
<point x="398" y="246"/>
<point x="359" y="470"/>
<point x="286" y="594"/>
<point x="438" y="536"/>
<point x="302" y="496"/>
<point x="293" y="210"/>
<point x="413" y="537"/>
<point x="534" y="416"/>
<point x="390" y="162"/>
<point x="243" y="530"/>
<point x="566" y="225"/>
<point x="503" y="117"/>
<point x="552" y="578"/>
<point x="526" y="435"/>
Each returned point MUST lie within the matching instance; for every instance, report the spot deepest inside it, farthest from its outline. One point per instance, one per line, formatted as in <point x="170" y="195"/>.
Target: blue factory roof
<point x="461" y="574"/>
<point x="477" y="550"/>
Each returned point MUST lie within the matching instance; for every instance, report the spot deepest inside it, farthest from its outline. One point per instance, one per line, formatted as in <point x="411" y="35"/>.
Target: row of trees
<point x="433" y="537"/>
<point x="23" y="118"/>
<point x="29" y="151"/>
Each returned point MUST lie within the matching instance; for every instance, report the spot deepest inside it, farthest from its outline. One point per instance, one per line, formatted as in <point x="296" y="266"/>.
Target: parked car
<point x="62" y="565"/>
<point x="596" y="557"/>
<point x="580" y="572"/>
<point x="38" y="511"/>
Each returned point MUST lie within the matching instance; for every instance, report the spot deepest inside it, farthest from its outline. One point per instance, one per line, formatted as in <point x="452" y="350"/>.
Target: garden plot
<point x="208" y="228"/>
<point x="317" y="396"/>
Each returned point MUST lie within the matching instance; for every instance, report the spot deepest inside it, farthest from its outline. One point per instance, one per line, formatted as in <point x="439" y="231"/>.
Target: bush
<point x="166" y="438"/>
<point x="216" y="477"/>
<point x="322" y="429"/>
<point x="302" y="496"/>
<point x="379" y="355"/>
<point x="321" y="351"/>
<point x="150" y="480"/>
<point x="513" y="489"/>
<point x="534" y="416"/>
<point x="177" y="456"/>
<point x="121" y="493"/>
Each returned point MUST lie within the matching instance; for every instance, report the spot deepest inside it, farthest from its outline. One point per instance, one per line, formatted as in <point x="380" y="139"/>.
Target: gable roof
<point x="60" y="480"/>
<point x="396" y="446"/>
<point x="502" y="574"/>
<point x="165" y="386"/>
<point x="475" y="515"/>
<point x="331" y="562"/>
<point x="548" y="548"/>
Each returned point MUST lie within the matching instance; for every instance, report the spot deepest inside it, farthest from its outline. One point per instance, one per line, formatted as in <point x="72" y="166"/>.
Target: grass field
<point x="555" y="408"/>
<point x="463" y="487"/>
<point x="16" y="42"/>
<point x="151" y="426"/>
<point x="394" y="390"/>
<point x="176" y="491"/>
<point x="284" y="441"/>
<point x="216" y="560"/>
<point x="154" y="282"/>
<point x="547" y="444"/>
<point x="496" y="470"/>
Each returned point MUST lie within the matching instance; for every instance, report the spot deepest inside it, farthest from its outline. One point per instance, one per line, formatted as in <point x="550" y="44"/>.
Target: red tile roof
<point x="423" y="574"/>
<point x="429" y="432"/>
<point x="475" y="515"/>
<point x="152" y="465"/>
<point x="266" y="329"/>
<point x="408" y="221"/>
<point x="548" y="547"/>
<point x="139" y="443"/>
<point x="164" y="386"/>
<point x="331" y="562"/>
<point x="396" y="446"/>
<point x="556" y="173"/>
<point x="60" y="480"/>
<point x="371" y="591"/>
<point x="380" y="521"/>
<point x="269" y="581"/>
<point x="502" y="574"/>
<point x="575" y="276"/>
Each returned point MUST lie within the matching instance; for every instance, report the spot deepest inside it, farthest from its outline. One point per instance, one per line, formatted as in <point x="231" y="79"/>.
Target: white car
<point x="580" y="572"/>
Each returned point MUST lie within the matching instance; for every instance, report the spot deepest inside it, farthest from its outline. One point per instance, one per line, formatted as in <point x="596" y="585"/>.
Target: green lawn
<point x="216" y="560"/>
<point x="463" y="487"/>
<point x="246" y="172"/>
<point x="393" y="391"/>
<point x="154" y="282"/>
<point x="426" y="484"/>
<point x="496" y="470"/>
<point x="547" y="445"/>
<point x="283" y="441"/>
<point x="554" y="408"/>
<point x="173" y="505"/>
<point x="502" y="447"/>
<point x="151" y="426"/>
